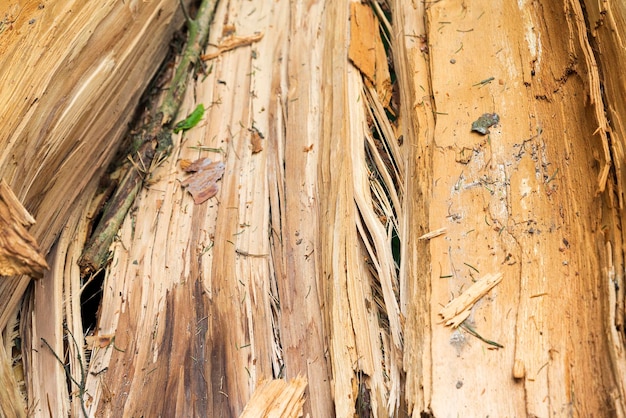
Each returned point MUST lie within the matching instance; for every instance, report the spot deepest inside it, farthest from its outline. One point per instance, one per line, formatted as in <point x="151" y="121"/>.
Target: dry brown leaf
<point x="19" y="252"/>
<point x="202" y="185"/>
<point x="256" y="140"/>
<point x="185" y="163"/>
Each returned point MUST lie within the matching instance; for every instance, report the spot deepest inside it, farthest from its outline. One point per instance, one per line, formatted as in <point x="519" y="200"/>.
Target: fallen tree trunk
<point x="381" y="162"/>
<point x="72" y="73"/>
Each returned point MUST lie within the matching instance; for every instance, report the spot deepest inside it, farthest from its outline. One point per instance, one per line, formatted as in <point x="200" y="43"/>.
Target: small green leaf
<point x="191" y="121"/>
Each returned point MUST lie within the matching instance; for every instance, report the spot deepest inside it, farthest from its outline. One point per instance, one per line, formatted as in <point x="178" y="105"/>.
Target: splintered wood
<point x="19" y="252"/>
<point x="367" y="51"/>
<point x="276" y="398"/>
<point x="457" y="311"/>
<point x="350" y="198"/>
<point x="73" y="72"/>
<point x="433" y="234"/>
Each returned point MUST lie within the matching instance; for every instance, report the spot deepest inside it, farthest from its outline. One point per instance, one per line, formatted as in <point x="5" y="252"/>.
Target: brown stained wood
<point x="366" y="49"/>
<point x="228" y="290"/>
<point x="19" y="252"/>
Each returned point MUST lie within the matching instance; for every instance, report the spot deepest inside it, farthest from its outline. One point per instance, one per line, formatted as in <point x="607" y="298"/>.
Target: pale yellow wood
<point x="276" y="398"/>
<point x="12" y="402"/>
<point x="190" y="296"/>
<point x="411" y="60"/>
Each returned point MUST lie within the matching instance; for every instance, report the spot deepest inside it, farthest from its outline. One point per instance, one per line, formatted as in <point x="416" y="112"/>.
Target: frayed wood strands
<point x="156" y="142"/>
<point x="367" y="51"/>
<point x="202" y="185"/>
<point x="356" y="203"/>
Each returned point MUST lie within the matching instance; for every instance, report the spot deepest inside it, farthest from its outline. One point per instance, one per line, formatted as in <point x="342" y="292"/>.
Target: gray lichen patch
<point x="483" y="123"/>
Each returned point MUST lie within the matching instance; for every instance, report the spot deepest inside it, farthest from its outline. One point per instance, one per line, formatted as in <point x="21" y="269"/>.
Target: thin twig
<point x="473" y="332"/>
<point x="83" y="374"/>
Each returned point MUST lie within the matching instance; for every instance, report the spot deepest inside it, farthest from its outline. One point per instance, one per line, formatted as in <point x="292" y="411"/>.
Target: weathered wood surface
<point x="293" y="221"/>
<point x="289" y="270"/>
<point x="72" y="73"/>
<point x="534" y="203"/>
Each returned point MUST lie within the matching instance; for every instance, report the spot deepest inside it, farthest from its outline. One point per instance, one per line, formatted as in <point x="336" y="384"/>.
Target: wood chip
<point x="277" y="398"/>
<point x="433" y="234"/>
<point x="230" y="43"/>
<point x="19" y="252"/>
<point x="457" y="311"/>
<point x="202" y="185"/>
<point x="367" y="51"/>
<point x="256" y="141"/>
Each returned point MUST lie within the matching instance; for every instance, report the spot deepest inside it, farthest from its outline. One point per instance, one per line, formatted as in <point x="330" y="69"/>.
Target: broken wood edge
<point x="19" y="251"/>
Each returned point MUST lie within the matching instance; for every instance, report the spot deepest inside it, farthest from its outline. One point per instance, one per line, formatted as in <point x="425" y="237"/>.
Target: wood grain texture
<point x="346" y="219"/>
<point x="72" y="73"/>
<point x="526" y="204"/>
